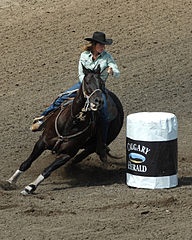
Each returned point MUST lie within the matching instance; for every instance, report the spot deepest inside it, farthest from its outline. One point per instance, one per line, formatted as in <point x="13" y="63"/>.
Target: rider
<point x="93" y="54"/>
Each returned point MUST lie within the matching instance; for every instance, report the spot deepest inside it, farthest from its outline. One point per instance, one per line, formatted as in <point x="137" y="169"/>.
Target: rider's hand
<point x="110" y="70"/>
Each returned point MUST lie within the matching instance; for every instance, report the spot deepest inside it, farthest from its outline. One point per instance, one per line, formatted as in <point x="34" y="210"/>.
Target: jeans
<point x="61" y="99"/>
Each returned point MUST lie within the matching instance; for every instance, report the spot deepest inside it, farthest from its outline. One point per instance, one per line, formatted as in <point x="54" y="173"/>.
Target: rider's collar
<point x="100" y="55"/>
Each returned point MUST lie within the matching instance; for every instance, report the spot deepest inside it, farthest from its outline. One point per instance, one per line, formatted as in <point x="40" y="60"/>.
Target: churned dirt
<point x="40" y="47"/>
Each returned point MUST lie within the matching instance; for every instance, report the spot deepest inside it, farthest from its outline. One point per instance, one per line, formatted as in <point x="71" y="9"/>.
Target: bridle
<point x="87" y="106"/>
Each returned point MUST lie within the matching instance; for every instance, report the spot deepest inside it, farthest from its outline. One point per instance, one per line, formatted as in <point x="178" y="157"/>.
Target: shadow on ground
<point x="85" y="175"/>
<point x="185" y="181"/>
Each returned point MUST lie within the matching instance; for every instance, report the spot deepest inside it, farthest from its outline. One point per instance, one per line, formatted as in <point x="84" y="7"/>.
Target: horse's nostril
<point x="97" y="100"/>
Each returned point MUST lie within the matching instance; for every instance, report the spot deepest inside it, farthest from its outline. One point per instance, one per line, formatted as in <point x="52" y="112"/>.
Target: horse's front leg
<point x="60" y="161"/>
<point x="37" y="151"/>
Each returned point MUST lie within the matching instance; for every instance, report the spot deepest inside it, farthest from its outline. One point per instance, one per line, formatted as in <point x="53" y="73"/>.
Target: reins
<point x="86" y="108"/>
<point x="66" y="138"/>
<point x="62" y="139"/>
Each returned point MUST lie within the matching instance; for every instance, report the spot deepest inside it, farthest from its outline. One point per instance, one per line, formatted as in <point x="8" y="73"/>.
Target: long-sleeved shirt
<point x="105" y="60"/>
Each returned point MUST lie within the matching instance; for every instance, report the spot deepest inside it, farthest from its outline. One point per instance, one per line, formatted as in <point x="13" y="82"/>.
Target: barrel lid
<point x="152" y="126"/>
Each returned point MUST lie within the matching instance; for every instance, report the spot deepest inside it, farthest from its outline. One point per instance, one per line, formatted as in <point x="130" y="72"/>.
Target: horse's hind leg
<point x="60" y="160"/>
<point x="37" y="151"/>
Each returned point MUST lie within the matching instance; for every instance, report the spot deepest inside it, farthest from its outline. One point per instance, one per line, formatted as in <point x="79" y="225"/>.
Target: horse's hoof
<point x="8" y="186"/>
<point x="28" y="190"/>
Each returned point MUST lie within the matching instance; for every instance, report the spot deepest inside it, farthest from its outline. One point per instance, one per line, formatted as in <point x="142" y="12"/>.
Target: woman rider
<point x="93" y="54"/>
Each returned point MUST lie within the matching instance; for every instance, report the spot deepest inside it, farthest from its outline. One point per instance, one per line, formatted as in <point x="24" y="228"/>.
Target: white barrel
<point x="151" y="150"/>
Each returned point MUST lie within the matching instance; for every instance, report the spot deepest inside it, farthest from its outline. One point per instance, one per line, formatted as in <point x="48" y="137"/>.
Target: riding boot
<point x="37" y="124"/>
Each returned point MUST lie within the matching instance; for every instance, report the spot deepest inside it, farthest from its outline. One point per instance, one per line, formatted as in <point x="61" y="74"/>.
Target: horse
<point x="74" y="126"/>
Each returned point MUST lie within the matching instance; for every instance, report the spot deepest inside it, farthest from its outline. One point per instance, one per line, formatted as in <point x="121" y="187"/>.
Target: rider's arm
<point x="113" y="65"/>
<point x="80" y="68"/>
<point x="105" y="61"/>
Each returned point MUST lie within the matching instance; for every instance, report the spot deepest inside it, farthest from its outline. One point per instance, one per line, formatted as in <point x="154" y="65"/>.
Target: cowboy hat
<point x="100" y="38"/>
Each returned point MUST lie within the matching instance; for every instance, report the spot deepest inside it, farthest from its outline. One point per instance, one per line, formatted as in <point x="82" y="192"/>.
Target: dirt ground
<point x="40" y="47"/>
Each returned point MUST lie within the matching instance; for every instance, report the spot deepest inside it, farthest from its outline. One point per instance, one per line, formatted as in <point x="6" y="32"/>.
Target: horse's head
<point x="92" y="87"/>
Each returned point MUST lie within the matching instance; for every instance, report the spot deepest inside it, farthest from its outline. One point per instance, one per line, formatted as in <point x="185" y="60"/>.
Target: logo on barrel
<point x="136" y="158"/>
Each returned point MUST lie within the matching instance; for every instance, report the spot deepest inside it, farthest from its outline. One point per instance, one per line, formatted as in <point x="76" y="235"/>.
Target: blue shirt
<point x="105" y="60"/>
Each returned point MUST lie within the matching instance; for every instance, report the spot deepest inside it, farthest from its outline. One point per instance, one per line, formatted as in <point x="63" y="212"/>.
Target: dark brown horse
<point x="74" y="126"/>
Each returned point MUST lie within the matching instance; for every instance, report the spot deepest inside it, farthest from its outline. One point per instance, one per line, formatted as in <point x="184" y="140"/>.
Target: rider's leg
<point x="66" y="95"/>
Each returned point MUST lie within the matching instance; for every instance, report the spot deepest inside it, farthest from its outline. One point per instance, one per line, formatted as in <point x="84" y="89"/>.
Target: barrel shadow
<point x="185" y="181"/>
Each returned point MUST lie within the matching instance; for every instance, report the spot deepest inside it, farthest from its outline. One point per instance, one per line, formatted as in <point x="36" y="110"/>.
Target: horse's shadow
<point x="85" y="175"/>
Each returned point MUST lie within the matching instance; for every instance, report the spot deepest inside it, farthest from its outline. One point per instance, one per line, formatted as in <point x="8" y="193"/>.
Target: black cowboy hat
<point x="100" y="38"/>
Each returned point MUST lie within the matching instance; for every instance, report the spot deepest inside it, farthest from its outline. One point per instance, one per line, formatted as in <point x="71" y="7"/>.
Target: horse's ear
<point x="85" y="70"/>
<point x="98" y="69"/>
